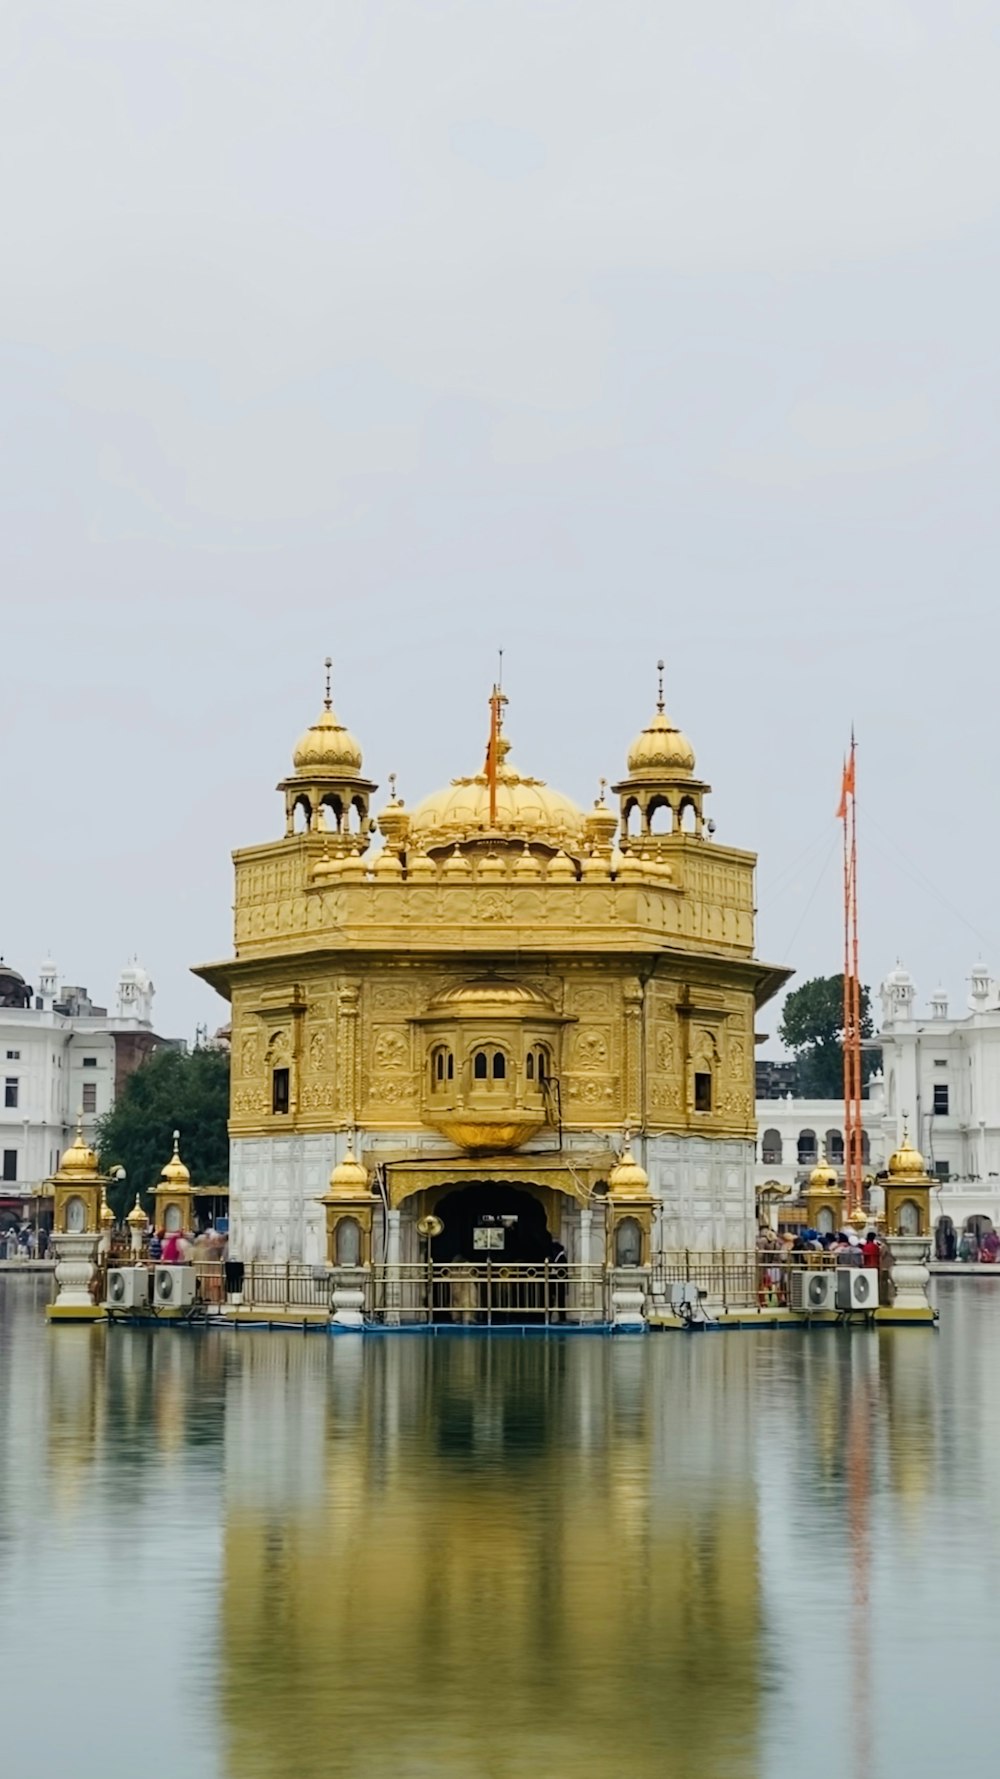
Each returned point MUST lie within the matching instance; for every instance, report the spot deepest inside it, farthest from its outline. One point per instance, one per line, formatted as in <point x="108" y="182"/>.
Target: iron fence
<point x="486" y="1294"/>
<point x="734" y="1279"/>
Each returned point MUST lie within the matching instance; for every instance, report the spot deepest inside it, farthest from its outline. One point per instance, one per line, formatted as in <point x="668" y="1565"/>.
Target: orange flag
<point x="846" y="788"/>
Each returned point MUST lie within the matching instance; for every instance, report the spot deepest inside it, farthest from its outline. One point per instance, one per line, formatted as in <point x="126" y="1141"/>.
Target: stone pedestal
<point x="910" y="1276"/>
<point x="628" y="1300"/>
<point x="75" y="1272"/>
<point x="348" y="1298"/>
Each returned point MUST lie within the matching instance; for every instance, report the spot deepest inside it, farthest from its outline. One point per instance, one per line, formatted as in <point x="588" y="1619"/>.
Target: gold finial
<point x="177" y="1143"/>
<point x="392" y="788"/>
<point x="659" y="686"/>
<point x="603" y="783"/>
<point x="327" y="697"/>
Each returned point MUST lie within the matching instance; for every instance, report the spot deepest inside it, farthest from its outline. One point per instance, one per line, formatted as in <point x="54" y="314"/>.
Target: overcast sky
<point x="404" y="329"/>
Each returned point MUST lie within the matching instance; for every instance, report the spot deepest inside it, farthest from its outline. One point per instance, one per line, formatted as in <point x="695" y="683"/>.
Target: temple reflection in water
<point x="482" y="1551"/>
<point x="415" y="1556"/>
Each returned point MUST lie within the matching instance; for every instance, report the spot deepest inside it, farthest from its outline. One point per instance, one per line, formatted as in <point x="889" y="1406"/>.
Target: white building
<point x="940" y="1079"/>
<point x="61" y="1056"/>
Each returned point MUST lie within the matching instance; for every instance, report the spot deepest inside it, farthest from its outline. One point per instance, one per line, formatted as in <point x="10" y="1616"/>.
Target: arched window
<point x="807" y="1151"/>
<point x="544" y="1064"/>
<point x="770" y="1147"/>
<point x="628" y="1243"/>
<point x="442" y="1067"/>
<point x="659" y="816"/>
<point x="302" y="815"/>
<point x="348" y="1243"/>
<point x="75" y="1216"/>
<point x="529" y="1067"/>
<point x="499" y="1066"/>
<point x="480" y="1066"/>
<point x="824" y="1221"/>
<point x="908" y="1218"/>
<point x="172" y="1219"/>
<point x="835" y="1147"/>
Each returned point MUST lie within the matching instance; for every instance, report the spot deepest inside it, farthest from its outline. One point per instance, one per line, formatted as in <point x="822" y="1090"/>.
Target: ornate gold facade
<point x="505" y="975"/>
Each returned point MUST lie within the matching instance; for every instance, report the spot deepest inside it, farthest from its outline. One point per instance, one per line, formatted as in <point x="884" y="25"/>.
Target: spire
<point x="659" y="687"/>
<point x="327" y="695"/>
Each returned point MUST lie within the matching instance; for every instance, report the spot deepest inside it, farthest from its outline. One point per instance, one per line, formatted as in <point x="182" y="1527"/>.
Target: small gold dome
<point x="137" y="1218"/>
<point x="907" y="1163"/>
<point x="175" y="1174"/>
<point x="327" y="748"/>
<point x="107" y="1216"/>
<point x="661" y="747"/>
<point x="490" y="994"/>
<point x="79" y="1160"/>
<point x="349" y="1178"/>
<point x="628" y="1178"/>
<point x="823" y="1178"/>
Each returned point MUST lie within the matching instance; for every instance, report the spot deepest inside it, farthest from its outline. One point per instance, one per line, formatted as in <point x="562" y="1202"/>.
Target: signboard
<point x="488" y="1238"/>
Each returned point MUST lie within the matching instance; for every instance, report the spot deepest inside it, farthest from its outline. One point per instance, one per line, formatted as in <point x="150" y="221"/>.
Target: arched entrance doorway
<point x="487" y="1221"/>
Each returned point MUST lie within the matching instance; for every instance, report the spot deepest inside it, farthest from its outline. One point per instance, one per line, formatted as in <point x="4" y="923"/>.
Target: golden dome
<point x="79" y="1160"/>
<point x="175" y="1174"/>
<point x="327" y="748"/>
<point x="137" y="1218"/>
<point x="527" y="810"/>
<point x="107" y="1216"/>
<point x="628" y="1178"/>
<point x="661" y="747"/>
<point x="907" y="1163"/>
<point x="489" y="993"/>
<point x="824" y="1178"/>
<point x="349" y="1178"/>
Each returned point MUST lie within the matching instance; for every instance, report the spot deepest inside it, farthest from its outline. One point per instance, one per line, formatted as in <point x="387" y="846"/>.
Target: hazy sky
<point x="402" y="329"/>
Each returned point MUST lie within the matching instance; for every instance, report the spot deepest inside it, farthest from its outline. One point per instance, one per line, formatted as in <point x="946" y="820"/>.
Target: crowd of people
<point x="23" y="1242"/>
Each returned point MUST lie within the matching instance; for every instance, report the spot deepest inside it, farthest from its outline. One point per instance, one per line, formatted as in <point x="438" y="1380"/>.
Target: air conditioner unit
<point x="128" y="1288"/>
<point x="812" y="1290"/>
<point x="174" y="1287"/>
<point x="857" y="1288"/>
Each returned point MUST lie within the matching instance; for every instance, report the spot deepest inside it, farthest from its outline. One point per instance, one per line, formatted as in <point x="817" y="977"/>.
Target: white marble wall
<point x="706" y="1190"/>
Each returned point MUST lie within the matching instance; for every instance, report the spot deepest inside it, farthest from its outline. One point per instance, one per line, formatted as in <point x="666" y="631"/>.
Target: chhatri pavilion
<point x="526" y="1022"/>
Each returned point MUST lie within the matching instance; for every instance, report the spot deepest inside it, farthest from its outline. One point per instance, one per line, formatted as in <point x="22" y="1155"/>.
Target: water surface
<point x="262" y="1555"/>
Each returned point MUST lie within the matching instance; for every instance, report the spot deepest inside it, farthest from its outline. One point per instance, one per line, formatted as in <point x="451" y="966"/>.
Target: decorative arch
<point x="808" y="1152"/>
<point x="771" y="1147"/>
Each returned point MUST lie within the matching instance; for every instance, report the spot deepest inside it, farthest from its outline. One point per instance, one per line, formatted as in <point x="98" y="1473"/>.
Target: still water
<point x="257" y="1556"/>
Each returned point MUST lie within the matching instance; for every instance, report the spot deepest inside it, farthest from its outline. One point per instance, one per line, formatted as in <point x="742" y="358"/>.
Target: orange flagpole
<point x="847" y="813"/>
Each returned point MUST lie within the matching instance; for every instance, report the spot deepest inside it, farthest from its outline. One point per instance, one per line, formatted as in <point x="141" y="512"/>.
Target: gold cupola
<point x="497" y="809"/>
<point x="78" y="1188"/>
<point x="660" y="782"/>
<point x="349" y="1206"/>
<point x="907" y="1191"/>
<point x="173" y="1194"/>
<point x="326" y="790"/>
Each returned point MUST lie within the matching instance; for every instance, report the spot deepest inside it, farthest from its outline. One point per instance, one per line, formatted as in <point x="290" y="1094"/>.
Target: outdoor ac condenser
<point x="811" y="1290"/>
<point x="857" y="1288"/>
<point x="128" y="1288"/>
<point x="174" y="1287"/>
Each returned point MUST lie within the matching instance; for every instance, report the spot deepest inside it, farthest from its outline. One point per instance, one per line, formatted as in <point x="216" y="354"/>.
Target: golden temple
<point x="476" y="997"/>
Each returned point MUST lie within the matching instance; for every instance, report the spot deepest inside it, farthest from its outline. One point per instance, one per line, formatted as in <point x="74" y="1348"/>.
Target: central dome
<point x="527" y="811"/>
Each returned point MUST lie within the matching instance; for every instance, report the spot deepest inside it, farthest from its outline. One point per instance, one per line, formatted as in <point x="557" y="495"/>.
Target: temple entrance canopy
<point x="488" y="1220"/>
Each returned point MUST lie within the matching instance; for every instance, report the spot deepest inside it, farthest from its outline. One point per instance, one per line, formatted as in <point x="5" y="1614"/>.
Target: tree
<point x="172" y="1090"/>
<point x="812" y="1025"/>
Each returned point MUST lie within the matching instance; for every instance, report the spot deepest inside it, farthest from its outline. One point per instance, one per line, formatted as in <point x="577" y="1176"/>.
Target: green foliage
<point x="812" y="1026"/>
<point x="171" y="1091"/>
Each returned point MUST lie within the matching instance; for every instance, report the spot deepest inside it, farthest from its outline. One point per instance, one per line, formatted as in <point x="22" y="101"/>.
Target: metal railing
<point x="734" y="1279"/>
<point x="486" y="1294"/>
